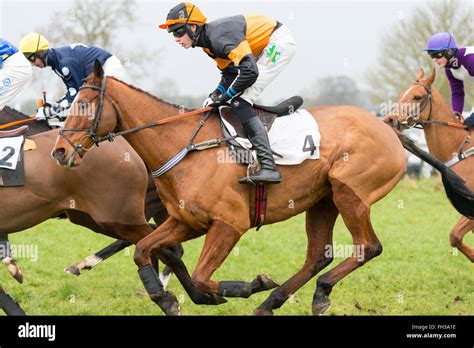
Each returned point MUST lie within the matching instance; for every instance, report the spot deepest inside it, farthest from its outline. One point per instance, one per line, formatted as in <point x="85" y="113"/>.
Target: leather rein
<point x="413" y="119"/>
<point x="80" y="149"/>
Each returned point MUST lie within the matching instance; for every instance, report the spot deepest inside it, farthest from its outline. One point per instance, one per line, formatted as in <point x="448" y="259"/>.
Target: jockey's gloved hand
<point x="211" y="98"/>
<point x="218" y="100"/>
<point x="45" y="112"/>
<point x="469" y="121"/>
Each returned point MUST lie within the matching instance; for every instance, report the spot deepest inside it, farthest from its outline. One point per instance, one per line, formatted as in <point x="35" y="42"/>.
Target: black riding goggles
<point x="30" y="56"/>
<point x="436" y="54"/>
<point x="179" y="32"/>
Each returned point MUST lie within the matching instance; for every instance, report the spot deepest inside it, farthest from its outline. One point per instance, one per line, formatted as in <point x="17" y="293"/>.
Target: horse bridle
<point x="413" y="118"/>
<point x="91" y="131"/>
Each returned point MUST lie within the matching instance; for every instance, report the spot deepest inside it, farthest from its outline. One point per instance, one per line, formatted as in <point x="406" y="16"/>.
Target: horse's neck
<point x="158" y="144"/>
<point x="443" y="141"/>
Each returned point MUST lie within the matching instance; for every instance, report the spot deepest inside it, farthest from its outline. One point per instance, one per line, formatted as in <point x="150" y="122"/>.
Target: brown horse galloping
<point x="361" y="161"/>
<point x="153" y="206"/>
<point x="86" y="196"/>
<point x="445" y="136"/>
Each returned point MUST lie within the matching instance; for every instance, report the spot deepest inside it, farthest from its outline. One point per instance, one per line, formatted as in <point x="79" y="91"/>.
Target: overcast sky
<point x="333" y="38"/>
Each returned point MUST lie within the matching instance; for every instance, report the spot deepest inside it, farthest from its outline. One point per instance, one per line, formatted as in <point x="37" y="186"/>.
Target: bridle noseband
<point x="91" y="131"/>
<point x="413" y="118"/>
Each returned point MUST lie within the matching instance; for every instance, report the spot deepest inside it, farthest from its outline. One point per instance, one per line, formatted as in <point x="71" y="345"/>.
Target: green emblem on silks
<point x="272" y="55"/>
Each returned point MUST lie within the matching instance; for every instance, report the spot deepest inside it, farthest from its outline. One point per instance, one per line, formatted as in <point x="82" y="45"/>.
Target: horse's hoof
<point x="216" y="300"/>
<point x="167" y="302"/>
<point x="13" y="269"/>
<point x="73" y="269"/>
<point x="266" y="282"/>
<point x="321" y="307"/>
<point x="208" y="299"/>
<point x="263" y="312"/>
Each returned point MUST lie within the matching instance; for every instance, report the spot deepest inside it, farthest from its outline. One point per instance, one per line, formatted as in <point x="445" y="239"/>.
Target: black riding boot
<point x="258" y="136"/>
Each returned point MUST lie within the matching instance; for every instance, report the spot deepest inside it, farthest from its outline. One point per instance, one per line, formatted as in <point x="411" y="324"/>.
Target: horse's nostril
<point x="59" y="153"/>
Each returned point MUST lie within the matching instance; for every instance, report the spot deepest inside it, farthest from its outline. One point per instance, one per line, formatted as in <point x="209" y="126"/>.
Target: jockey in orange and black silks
<point x="250" y="51"/>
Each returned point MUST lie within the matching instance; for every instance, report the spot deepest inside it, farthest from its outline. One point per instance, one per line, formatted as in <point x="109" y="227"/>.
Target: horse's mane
<point x="149" y="94"/>
<point x="8" y="111"/>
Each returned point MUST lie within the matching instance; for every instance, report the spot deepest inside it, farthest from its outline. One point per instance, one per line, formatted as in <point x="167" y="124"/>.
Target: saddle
<point x="14" y="132"/>
<point x="267" y="115"/>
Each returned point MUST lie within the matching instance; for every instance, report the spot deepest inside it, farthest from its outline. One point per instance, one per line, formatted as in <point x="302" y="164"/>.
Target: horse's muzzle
<point x="392" y="121"/>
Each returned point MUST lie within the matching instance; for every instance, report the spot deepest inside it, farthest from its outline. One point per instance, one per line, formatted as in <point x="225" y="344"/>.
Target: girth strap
<point x="459" y="157"/>
<point x="260" y="205"/>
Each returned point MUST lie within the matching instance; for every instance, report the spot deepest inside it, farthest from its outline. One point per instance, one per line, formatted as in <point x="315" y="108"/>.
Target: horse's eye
<point x="417" y="97"/>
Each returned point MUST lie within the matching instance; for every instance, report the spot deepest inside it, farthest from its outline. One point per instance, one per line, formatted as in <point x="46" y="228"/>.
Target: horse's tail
<point x="460" y="196"/>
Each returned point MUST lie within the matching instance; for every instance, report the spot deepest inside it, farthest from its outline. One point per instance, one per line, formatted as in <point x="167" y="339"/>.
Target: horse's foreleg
<point x="9" y="306"/>
<point x="170" y="233"/>
<point x="463" y="226"/>
<point x="8" y="261"/>
<point x="220" y="240"/>
<point x="93" y="260"/>
<point x="320" y="221"/>
<point x="356" y="216"/>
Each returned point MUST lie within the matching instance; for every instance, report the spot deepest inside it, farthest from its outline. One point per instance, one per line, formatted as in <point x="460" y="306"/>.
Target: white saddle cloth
<point x="295" y="137"/>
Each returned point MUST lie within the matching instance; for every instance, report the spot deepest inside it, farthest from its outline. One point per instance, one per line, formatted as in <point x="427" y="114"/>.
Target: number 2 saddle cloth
<point x="12" y="147"/>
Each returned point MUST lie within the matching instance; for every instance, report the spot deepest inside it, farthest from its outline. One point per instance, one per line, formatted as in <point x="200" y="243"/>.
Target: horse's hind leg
<point x="9" y="306"/>
<point x="8" y="261"/>
<point x="356" y="216"/>
<point x="320" y="221"/>
<point x="457" y="234"/>
<point x="93" y="260"/>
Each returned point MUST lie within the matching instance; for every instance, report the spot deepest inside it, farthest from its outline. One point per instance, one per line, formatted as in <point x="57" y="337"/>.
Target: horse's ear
<point x="98" y="70"/>
<point x="431" y="78"/>
<point x="420" y="75"/>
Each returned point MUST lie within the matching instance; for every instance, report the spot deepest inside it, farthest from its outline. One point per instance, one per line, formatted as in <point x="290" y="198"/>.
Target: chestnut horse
<point x="361" y="160"/>
<point x="86" y="197"/>
<point x="153" y="207"/>
<point x="446" y="138"/>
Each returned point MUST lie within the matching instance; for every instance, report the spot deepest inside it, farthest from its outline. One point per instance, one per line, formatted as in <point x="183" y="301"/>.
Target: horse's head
<point x="92" y="115"/>
<point x="415" y="103"/>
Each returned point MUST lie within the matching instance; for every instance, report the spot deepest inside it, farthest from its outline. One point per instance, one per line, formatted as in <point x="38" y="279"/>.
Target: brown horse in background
<point x="153" y="208"/>
<point x="361" y="160"/>
<point x="86" y="197"/>
<point x="445" y="137"/>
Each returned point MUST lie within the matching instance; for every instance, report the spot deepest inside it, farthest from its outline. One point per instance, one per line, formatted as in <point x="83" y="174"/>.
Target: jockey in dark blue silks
<point x="72" y="64"/>
<point x="15" y="72"/>
<point x="458" y="64"/>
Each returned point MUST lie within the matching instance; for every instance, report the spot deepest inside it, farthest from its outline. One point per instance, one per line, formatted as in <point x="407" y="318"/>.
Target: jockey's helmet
<point x="181" y="17"/>
<point x="32" y="46"/>
<point x="441" y="45"/>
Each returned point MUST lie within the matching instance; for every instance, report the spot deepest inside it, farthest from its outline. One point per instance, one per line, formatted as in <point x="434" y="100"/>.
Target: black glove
<point x="217" y="99"/>
<point x="469" y="121"/>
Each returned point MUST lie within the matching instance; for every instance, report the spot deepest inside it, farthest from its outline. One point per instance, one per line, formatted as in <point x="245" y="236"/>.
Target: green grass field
<point x="417" y="273"/>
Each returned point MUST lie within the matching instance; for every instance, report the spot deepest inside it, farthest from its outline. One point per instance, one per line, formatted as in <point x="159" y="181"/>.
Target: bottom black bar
<point x="291" y="331"/>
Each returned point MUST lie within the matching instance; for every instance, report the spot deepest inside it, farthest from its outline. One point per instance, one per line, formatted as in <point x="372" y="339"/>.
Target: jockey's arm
<point x="246" y="65"/>
<point x="457" y="92"/>
<point x="73" y="73"/>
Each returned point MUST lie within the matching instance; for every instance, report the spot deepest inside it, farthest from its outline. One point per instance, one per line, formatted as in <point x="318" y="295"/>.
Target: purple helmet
<point x="441" y="42"/>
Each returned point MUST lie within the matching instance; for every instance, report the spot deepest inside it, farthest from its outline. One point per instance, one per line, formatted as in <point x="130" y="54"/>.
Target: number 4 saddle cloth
<point x="12" y="147"/>
<point x="293" y="133"/>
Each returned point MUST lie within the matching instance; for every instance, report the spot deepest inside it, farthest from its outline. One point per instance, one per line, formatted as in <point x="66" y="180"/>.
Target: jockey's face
<point x="38" y="63"/>
<point x="185" y="40"/>
<point x="441" y="61"/>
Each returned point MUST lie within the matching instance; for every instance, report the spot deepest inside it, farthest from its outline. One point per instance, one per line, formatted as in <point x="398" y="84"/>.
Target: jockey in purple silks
<point x="459" y="67"/>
